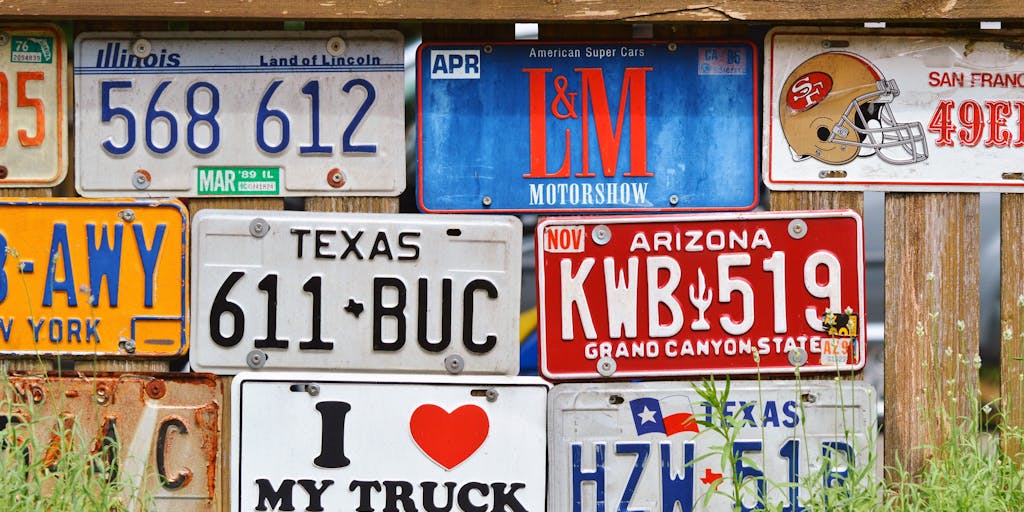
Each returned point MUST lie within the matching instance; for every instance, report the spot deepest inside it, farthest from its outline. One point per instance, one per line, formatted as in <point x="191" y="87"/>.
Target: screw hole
<point x="454" y="232"/>
<point x="616" y="399"/>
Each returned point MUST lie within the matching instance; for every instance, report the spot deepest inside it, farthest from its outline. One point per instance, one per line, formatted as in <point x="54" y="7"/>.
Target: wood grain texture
<point x="1011" y="368"/>
<point x="521" y="10"/>
<point x="932" y="250"/>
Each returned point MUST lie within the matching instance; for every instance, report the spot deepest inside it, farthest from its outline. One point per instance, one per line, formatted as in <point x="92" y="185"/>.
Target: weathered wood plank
<point x="523" y="10"/>
<point x="1011" y="368"/>
<point x="932" y="250"/>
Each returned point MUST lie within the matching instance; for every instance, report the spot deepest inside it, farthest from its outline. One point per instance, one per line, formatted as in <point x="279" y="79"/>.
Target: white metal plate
<point x="959" y="97"/>
<point x="192" y="114"/>
<point x="639" y="445"/>
<point x="389" y="443"/>
<point x="381" y="292"/>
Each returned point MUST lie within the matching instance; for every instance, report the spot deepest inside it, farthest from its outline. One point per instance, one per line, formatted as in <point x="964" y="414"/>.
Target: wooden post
<point x="931" y="320"/>
<point x="1011" y="368"/>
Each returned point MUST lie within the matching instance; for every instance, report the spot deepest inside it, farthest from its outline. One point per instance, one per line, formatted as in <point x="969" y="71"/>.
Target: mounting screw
<point x="601" y="234"/>
<point x="797" y="357"/>
<point x="454" y="364"/>
<point x="491" y="394"/>
<point x="259" y="228"/>
<point x="141" y="179"/>
<point x="256" y="359"/>
<point x="673" y="199"/>
<point x="127" y="215"/>
<point x="486" y="200"/>
<point x="101" y="394"/>
<point x="797" y="228"/>
<point x="488" y="48"/>
<point x="141" y="48"/>
<point x="336" y="46"/>
<point x="129" y="346"/>
<point x="313" y="389"/>
<point x="336" y="178"/>
<point x="672" y="47"/>
<point x="4" y="38"/>
<point x="606" y="366"/>
<point x="3" y="172"/>
<point x="156" y="389"/>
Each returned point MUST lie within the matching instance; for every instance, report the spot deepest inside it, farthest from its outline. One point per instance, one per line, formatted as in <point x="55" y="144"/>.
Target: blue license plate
<point x="596" y="127"/>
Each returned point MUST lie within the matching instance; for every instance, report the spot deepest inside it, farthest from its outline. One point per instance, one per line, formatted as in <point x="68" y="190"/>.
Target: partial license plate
<point x="192" y="114"/>
<point x="897" y="111"/>
<point x="323" y="442"/>
<point x="104" y="278"/>
<point x="163" y="429"/>
<point x="33" y="105"/>
<point x="355" y="292"/>
<point x="603" y="126"/>
<point x="697" y="294"/>
<point x="641" y="446"/>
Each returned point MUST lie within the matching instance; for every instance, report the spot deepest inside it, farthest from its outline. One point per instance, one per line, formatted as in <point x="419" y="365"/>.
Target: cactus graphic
<point x="700" y="301"/>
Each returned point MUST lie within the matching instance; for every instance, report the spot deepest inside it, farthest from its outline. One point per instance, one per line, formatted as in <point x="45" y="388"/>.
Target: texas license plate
<point x="533" y="126"/>
<point x="355" y="292"/>
<point x="325" y="442"/>
<point x="192" y="114"/>
<point x="892" y="110"/>
<point x="93" y="278"/>
<point x="33" y="105"/>
<point x="644" y="445"/>
<point x="698" y="294"/>
<point x="162" y="431"/>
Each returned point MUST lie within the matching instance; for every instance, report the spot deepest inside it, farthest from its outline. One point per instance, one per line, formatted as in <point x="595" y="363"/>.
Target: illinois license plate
<point x="603" y="126"/>
<point x="92" y="278"/>
<point x="33" y="105"/>
<point x="240" y="113"/>
<point x="903" y="111"/>
<point x="320" y="441"/>
<point x="644" y="445"/>
<point x="698" y="294"/>
<point x="162" y="431"/>
<point x="355" y="292"/>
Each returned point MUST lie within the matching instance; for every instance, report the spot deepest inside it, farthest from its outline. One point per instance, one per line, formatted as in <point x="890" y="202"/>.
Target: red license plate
<point x="676" y="295"/>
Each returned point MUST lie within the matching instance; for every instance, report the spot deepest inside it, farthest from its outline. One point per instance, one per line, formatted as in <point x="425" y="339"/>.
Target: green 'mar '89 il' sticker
<point x="248" y="181"/>
<point x="32" y="49"/>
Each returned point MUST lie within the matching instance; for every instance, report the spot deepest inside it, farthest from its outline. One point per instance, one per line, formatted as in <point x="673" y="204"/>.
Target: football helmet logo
<point x="836" y="104"/>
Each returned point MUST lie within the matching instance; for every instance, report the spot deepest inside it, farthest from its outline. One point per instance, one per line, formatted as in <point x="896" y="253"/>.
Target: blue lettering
<point x="104" y="260"/>
<point x="642" y="450"/>
<point x="791" y="452"/>
<point x="789" y="409"/>
<point x="6" y="328"/>
<point x="472" y="63"/>
<point x="676" y="490"/>
<point x="829" y="451"/>
<point x="149" y="257"/>
<point x="747" y="410"/>
<point x="90" y="329"/>
<point x="35" y="328"/>
<point x="771" y="414"/>
<point x="439" y="64"/>
<point x="579" y="476"/>
<point x="59" y="242"/>
<point x="743" y="471"/>
<point x="75" y="329"/>
<point x="58" y="335"/>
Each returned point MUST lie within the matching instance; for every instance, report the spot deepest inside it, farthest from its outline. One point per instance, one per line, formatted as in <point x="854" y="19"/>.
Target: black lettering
<point x="268" y="495"/>
<point x="161" y="455"/>
<point x="429" y="505"/>
<point x="395" y="491"/>
<point x="415" y="248"/>
<point x="321" y="243"/>
<point x="397" y="312"/>
<point x="469" y="506"/>
<point x="352" y="244"/>
<point x="381" y="246"/>
<point x="446" y="316"/>
<point x="332" y="435"/>
<point x="315" y="493"/>
<point x="364" y="493"/>
<point x="503" y="500"/>
<point x="301" y="233"/>
<point x="467" y="316"/>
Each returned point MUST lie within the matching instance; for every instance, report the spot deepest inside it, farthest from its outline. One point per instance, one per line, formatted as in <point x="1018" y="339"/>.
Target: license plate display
<point x="192" y="114"/>
<point x="163" y="429"/>
<point x="676" y="295"/>
<point x="534" y="126"/>
<point x="92" y="278"/>
<point x="33" y="105"/>
<point x="323" y="442"/>
<point x="642" y="446"/>
<point x="896" y="111"/>
<point x="355" y="292"/>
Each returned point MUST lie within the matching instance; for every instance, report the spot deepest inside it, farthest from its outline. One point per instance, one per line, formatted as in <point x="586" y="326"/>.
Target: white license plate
<point x="640" y="446"/>
<point x="193" y="114"/>
<point x="320" y="442"/>
<point x="355" y="292"/>
<point x="33" y="105"/>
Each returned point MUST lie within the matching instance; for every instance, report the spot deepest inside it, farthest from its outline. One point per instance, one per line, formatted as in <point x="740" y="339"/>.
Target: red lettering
<point x="973" y="121"/>
<point x="998" y="135"/>
<point x="538" y="129"/>
<point x="634" y="87"/>
<point x="1019" y="107"/>
<point x="942" y="123"/>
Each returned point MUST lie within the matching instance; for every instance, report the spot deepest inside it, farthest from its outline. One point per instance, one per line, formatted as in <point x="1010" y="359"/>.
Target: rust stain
<point x="208" y="420"/>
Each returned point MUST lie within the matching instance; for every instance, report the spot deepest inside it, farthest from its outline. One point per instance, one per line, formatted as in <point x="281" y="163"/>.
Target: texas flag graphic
<point x="648" y="417"/>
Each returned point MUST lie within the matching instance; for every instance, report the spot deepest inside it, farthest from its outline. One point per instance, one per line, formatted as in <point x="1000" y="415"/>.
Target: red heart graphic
<point x="449" y="438"/>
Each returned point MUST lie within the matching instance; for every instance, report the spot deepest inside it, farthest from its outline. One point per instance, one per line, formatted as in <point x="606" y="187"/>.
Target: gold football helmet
<point x="836" y="103"/>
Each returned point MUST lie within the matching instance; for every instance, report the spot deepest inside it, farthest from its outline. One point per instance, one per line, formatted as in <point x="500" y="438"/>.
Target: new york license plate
<point x="240" y="113"/>
<point x="697" y="294"/>
<point x="93" y="277"/>
<point x="645" y="446"/>
<point x="904" y="111"/>
<point x="605" y="126"/>
<point x="355" y="292"/>
<point x="325" y="442"/>
<point x="33" y="105"/>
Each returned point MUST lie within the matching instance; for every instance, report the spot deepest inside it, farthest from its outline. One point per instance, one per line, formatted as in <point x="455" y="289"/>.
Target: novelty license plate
<point x="192" y="114"/>
<point x="322" y="442"/>
<point x="642" y="445"/>
<point x="698" y="294"/>
<point x="355" y="292"/>
<point x="33" y="105"/>
<point x="163" y="430"/>
<point x="600" y="127"/>
<point x="897" y="111"/>
<point x="104" y="278"/>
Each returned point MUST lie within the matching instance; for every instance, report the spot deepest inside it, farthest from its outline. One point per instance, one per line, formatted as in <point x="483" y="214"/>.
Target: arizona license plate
<point x="323" y="442"/>
<point x="698" y="294"/>
<point x="33" y="105"/>
<point x="192" y="114"/>
<point x="644" y="445"/>
<point x="93" y="278"/>
<point x="605" y="126"/>
<point x="162" y="430"/>
<point x="898" y="111"/>
<point x="355" y="292"/>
